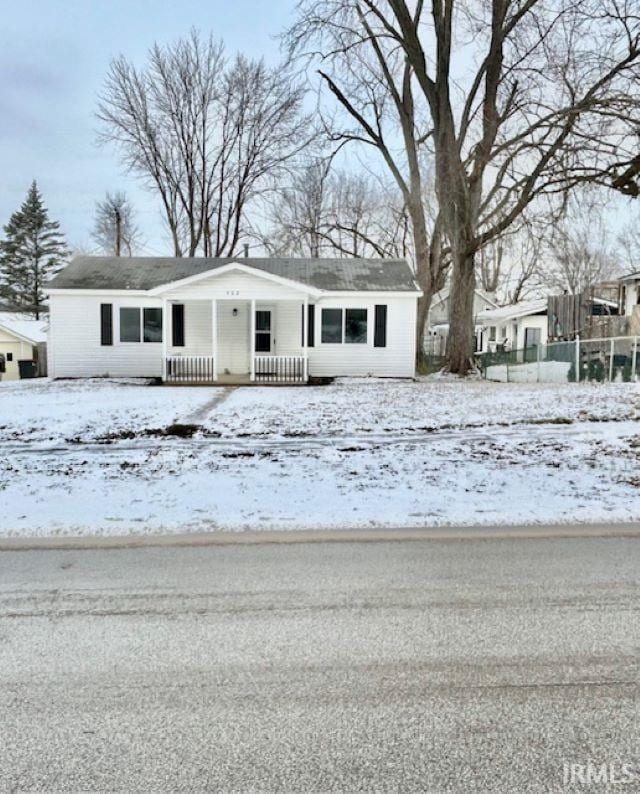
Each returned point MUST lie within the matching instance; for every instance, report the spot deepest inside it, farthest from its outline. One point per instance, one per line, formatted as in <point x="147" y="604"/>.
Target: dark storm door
<point x="263" y="331"/>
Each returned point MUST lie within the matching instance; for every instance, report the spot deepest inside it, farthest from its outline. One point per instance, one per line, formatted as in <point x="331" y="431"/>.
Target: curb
<point x="264" y="537"/>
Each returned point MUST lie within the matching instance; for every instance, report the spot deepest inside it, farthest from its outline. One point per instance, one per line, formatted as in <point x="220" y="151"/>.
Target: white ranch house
<point x="232" y="320"/>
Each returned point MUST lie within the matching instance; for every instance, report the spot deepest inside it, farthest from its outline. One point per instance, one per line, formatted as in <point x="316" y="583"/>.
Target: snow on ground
<point x="82" y="457"/>
<point x="370" y="405"/>
<point x="44" y="410"/>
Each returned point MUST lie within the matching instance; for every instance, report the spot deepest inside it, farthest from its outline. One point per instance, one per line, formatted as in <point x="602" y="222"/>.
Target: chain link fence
<point x="610" y="359"/>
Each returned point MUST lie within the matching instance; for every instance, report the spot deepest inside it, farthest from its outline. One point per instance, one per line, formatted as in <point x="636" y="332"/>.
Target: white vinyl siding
<point x="537" y="322"/>
<point x="238" y="285"/>
<point x="397" y="359"/>
<point x="74" y="338"/>
<point x="74" y="348"/>
<point x="288" y="328"/>
<point x="198" y="334"/>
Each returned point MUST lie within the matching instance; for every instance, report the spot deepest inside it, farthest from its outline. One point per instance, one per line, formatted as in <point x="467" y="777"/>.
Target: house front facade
<point x="519" y="326"/>
<point x="232" y="320"/>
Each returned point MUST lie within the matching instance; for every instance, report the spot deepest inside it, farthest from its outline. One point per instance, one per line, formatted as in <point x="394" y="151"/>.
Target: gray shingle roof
<point x="144" y="273"/>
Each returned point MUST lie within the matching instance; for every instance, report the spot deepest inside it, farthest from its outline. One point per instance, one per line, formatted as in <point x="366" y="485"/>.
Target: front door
<point x="264" y="337"/>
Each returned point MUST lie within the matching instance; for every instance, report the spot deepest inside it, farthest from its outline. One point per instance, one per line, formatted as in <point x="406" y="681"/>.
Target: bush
<point x="595" y="370"/>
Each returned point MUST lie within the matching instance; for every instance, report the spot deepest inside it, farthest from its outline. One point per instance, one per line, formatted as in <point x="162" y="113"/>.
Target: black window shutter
<point x="310" y="327"/>
<point x="106" y="323"/>
<point x="380" y="327"/>
<point x="177" y="324"/>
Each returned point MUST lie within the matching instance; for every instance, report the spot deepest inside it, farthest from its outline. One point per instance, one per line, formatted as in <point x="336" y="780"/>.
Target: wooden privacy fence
<point x="595" y="312"/>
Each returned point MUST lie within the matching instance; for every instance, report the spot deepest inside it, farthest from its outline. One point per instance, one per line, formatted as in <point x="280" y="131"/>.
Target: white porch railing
<point x="189" y="369"/>
<point x="280" y="369"/>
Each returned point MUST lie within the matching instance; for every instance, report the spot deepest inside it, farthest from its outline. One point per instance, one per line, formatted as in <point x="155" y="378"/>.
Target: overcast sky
<point x="54" y="55"/>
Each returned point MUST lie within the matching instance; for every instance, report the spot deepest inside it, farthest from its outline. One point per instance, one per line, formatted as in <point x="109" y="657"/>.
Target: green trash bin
<point x="27" y="369"/>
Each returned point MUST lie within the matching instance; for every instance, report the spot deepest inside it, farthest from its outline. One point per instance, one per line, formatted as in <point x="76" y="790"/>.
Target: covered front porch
<point x="232" y="341"/>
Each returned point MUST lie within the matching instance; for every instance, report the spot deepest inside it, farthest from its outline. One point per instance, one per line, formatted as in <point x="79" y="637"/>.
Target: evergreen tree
<point x="32" y="251"/>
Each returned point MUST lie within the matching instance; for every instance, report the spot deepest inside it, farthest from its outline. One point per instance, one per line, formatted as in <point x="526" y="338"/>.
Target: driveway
<point x="462" y="665"/>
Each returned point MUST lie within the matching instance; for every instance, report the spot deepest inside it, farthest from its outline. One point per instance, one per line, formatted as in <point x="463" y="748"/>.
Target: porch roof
<point x="147" y="273"/>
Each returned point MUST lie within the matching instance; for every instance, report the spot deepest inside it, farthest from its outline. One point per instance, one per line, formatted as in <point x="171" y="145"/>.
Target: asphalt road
<point x="464" y="665"/>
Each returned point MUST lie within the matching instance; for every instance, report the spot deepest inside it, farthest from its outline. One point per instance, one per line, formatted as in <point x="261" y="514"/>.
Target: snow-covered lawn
<point x="81" y="457"/>
<point x="367" y="405"/>
<point x="44" y="410"/>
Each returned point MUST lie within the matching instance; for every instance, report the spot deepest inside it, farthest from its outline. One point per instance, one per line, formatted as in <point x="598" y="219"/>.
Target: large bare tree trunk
<point x="457" y="219"/>
<point x="423" y="272"/>
<point x="461" y="330"/>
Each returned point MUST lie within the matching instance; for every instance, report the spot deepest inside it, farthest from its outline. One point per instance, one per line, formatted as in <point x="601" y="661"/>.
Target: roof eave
<point x="21" y="337"/>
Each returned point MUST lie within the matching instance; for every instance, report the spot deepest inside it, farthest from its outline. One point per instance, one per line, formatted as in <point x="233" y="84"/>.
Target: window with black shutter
<point x="177" y="324"/>
<point x="106" y="323"/>
<point x="380" y="326"/>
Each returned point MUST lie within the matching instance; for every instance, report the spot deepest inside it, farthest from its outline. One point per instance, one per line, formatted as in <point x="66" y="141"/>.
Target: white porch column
<point x="252" y="345"/>
<point x="214" y="337"/>
<point x="305" y="339"/>
<point x="166" y="330"/>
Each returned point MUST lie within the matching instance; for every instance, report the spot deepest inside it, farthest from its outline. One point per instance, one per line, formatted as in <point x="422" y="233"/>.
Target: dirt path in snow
<point x="200" y="414"/>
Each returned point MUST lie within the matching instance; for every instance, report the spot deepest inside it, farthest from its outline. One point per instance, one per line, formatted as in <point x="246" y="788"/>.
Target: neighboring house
<point x="437" y="326"/>
<point x="441" y="302"/>
<point x="632" y="301"/>
<point x="20" y="336"/>
<point x="514" y="327"/>
<point x="234" y="320"/>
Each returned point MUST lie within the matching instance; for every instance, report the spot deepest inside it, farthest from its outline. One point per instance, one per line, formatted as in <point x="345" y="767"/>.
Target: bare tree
<point x="511" y="266"/>
<point x="551" y="103"/>
<point x="297" y="212"/>
<point x="522" y="273"/>
<point x="628" y="240"/>
<point x="580" y="249"/>
<point x="373" y="86"/>
<point x="331" y="212"/>
<point x="115" y="230"/>
<point x="368" y="217"/>
<point x="208" y="135"/>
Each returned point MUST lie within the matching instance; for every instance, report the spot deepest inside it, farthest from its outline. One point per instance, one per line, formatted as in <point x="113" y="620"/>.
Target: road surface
<point x="462" y="665"/>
